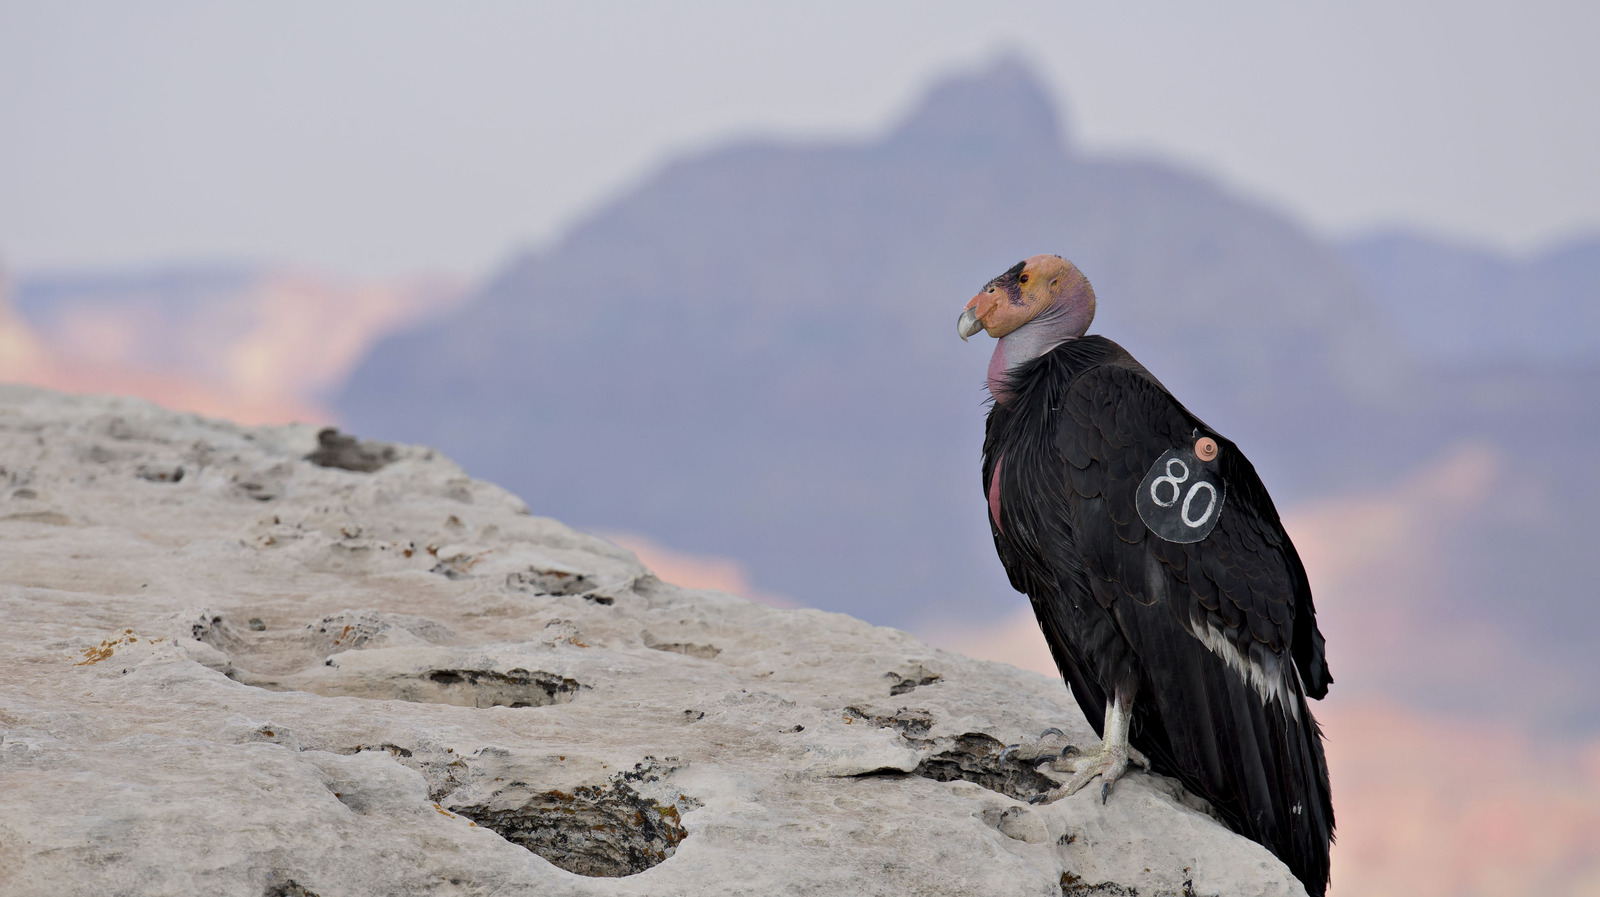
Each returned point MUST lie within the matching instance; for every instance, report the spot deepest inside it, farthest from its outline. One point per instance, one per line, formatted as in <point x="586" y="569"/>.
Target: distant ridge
<point x="1456" y="302"/>
<point x="753" y="355"/>
<point x="1003" y="110"/>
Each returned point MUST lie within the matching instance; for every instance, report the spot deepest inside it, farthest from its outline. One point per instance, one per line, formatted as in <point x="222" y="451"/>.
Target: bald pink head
<point x="1033" y="307"/>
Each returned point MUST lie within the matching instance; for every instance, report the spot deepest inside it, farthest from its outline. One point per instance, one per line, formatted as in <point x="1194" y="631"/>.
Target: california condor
<point x="1173" y="601"/>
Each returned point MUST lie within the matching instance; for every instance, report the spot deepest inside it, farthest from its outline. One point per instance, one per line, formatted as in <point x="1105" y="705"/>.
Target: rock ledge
<point x="231" y="670"/>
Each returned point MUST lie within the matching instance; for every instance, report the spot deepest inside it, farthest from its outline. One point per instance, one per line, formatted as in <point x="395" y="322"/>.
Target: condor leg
<point x="1109" y="762"/>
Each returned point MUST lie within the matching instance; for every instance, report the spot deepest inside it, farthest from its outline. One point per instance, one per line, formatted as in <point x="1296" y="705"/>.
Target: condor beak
<point x="968" y="323"/>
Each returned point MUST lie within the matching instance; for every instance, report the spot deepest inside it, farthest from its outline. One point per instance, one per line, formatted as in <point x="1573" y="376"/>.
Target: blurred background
<point x="686" y="275"/>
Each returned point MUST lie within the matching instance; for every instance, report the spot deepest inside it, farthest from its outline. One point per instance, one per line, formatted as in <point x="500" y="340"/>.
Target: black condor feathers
<point x="1099" y="485"/>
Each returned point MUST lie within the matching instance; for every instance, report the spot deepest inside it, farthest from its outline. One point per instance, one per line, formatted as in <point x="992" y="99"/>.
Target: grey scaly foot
<point x="1072" y="759"/>
<point x="1108" y="763"/>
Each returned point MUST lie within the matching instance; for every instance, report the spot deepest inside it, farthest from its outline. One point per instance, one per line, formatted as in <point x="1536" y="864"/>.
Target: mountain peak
<point x="1004" y="106"/>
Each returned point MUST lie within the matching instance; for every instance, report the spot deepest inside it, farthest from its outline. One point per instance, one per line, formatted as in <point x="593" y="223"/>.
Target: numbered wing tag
<point x="1179" y="499"/>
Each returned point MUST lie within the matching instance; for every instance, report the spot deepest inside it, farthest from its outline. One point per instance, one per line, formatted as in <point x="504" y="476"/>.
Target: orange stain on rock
<point x="107" y="647"/>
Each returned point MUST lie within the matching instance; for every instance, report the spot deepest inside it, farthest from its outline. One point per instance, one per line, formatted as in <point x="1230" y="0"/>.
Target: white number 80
<point x="1177" y="475"/>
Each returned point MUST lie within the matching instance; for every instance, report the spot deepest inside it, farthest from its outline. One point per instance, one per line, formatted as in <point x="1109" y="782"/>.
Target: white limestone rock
<point x="232" y="671"/>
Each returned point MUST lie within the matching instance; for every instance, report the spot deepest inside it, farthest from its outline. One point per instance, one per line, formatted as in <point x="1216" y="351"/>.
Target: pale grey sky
<point x="387" y="137"/>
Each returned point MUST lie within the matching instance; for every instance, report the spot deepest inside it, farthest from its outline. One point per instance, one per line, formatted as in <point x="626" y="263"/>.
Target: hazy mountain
<point x="1458" y="303"/>
<point x="1512" y="360"/>
<point x="753" y="354"/>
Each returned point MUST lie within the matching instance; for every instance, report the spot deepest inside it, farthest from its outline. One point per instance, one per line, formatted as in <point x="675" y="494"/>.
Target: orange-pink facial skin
<point x="1003" y="306"/>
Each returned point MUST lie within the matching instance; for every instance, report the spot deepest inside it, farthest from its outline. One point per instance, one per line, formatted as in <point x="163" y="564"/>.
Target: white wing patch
<point x="1262" y="670"/>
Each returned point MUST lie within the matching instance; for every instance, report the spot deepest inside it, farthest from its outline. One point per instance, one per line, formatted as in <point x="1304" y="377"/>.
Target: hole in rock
<point x="214" y="629"/>
<point x="975" y="757"/>
<point x="605" y="831"/>
<point x="704" y="652"/>
<point x="915" y="677"/>
<point x="160" y="474"/>
<point x="489" y="688"/>
<point x="393" y="749"/>
<point x="551" y="582"/>
<point x="457" y="687"/>
<point x="289" y="888"/>
<point x="913" y="724"/>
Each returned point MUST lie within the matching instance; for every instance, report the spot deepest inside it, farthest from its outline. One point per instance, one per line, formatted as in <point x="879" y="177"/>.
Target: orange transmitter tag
<point x="1205" y="448"/>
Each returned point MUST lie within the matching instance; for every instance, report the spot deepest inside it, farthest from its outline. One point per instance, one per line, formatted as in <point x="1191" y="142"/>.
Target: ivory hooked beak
<point x="968" y="323"/>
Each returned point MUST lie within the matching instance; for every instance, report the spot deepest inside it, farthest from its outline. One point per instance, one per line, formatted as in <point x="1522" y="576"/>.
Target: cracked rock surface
<point x="229" y="669"/>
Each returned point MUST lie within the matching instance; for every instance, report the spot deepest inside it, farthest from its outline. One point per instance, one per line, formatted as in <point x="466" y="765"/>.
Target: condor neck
<point x="1052" y="327"/>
